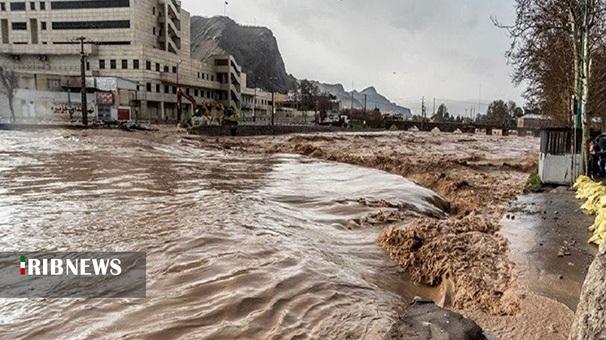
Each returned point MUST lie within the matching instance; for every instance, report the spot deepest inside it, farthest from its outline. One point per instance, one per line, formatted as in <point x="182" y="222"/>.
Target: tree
<point x="554" y="44"/>
<point x="498" y="114"/>
<point x="514" y="110"/>
<point x="8" y="80"/>
<point x="442" y="115"/>
<point x="308" y="91"/>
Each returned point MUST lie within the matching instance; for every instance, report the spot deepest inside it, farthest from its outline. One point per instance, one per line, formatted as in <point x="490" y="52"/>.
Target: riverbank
<point x="464" y="255"/>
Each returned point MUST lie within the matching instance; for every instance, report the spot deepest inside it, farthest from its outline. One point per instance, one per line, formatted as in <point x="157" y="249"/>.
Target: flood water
<point x="238" y="246"/>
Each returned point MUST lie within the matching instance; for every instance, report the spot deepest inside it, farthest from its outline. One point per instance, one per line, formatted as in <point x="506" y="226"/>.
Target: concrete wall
<point x="556" y="169"/>
<point x="251" y="130"/>
<point x="41" y="107"/>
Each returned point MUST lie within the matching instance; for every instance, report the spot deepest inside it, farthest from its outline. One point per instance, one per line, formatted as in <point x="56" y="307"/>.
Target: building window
<point x="88" y="66"/>
<point x="102" y="64"/>
<point x="2" y="6"/>
<point x="19" y="26"/>
<point x="166" y="89"/>
<point x="174" y="90"/>
<point x="124" y="64"/>
<point x="148" y="87"/>
<point x="136" y="64"/>
<point x="112" y="64"/>
<point x="196" y="92"/>
<point x="17" y="6"/>
<point x="158" y="88"/>
<point x="175" y="69"/>
<point x="43" y="25"/>
<point x="90" y="4"/>
<point x="32" y="6"/>
<point x="42" y="5"/>
<point x="87" y="25"/>
<point x="157" y="67"/>
<point x="148" y="65"/>
<point x="154" y="10"/>
<point x="154" y="31"/>
<point x="166" y="68"/>
<point x="54" y="84"/>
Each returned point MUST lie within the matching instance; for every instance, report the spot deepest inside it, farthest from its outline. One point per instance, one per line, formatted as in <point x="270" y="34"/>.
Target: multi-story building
<point x="255" y="101"/>
<point x="146" y="41"/>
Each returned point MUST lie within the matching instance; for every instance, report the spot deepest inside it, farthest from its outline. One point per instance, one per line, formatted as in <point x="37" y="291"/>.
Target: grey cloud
<point x="444" y="47"/>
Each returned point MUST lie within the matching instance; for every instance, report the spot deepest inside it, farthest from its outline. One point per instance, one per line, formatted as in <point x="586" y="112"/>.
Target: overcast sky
<point x="407" y="49"/>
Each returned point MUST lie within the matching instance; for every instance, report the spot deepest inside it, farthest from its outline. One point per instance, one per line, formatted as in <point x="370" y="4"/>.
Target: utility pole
<point x="179" y="110"/>
<point x="423" y="108"/>
<point x="83" y="82"/>
<point x="254" y="104"/>
<point x="480" y="101"/>
<point x="273" y="106"/>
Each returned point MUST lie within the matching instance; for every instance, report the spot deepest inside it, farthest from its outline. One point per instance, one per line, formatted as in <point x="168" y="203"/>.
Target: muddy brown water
<point x="238" y="246"/>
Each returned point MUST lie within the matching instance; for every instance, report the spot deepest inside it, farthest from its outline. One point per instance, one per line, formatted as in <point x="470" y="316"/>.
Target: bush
<point x="534" y="183"/>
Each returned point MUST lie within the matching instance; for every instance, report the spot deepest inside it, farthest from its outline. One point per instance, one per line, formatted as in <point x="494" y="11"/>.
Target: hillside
<point x="370" y="96"/>
<point x="256" y="50"/>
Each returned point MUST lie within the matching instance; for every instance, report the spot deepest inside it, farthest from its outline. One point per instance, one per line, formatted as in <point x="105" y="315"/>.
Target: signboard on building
<point x="105" y="98"/>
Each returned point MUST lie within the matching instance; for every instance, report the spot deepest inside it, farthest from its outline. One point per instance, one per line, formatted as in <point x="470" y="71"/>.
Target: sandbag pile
<point x="594" y="195"/>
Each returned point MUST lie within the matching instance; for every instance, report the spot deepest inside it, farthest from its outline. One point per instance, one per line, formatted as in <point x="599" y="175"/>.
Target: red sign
<point x="105" y="98"/>
<point x="123" y="114"/>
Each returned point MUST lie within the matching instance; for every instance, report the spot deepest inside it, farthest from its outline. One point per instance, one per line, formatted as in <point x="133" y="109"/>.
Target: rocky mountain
<point x="370" y="96"/>
<point x="255" y="49"/>
<point x="338" y="91"/>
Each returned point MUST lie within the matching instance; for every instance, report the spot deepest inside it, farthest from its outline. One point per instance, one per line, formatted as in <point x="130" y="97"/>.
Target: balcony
<point x="173" y="31"/>
<point x="173" y="9"/>
<point x="170" y="45"/>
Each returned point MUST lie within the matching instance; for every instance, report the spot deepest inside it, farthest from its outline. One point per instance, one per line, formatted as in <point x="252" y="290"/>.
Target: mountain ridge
<point x="256" y="50"/>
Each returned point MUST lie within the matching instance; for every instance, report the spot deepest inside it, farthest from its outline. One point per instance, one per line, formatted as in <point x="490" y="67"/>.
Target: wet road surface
<point x="548" y="236"/>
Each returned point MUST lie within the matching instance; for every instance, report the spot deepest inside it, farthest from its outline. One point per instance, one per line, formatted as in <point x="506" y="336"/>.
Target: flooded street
<point x="238" y="245"/>
<point x="548" y="236"/>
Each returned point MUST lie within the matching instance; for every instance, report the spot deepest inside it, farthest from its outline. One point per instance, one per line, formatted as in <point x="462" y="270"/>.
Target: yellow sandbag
<point x="581" y="181"/>
<point x="594" y="195"/>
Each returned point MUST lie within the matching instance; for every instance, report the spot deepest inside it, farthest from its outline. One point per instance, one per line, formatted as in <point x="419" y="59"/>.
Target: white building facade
<point x="145" y="41"/>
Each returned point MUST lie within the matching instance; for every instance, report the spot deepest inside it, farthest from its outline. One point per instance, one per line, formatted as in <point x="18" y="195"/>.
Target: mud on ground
<point x="463" y="254"/>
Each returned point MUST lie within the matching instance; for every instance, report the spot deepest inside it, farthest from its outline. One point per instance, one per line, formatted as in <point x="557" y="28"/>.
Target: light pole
<point x="83" y="82"/>
<point x="273" y="100"/>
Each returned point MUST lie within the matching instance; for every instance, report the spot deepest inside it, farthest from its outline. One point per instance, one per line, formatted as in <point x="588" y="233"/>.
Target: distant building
<point x="255" y="101"/>
<point x="146" y="41"/>
<point x="534" y="122"/>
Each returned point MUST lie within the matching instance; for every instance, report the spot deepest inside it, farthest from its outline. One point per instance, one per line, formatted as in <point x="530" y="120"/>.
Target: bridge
<point x="406" y="125"/>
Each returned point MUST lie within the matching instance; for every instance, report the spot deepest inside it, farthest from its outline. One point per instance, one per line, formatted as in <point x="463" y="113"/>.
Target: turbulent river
<point x="238" y="246"/>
